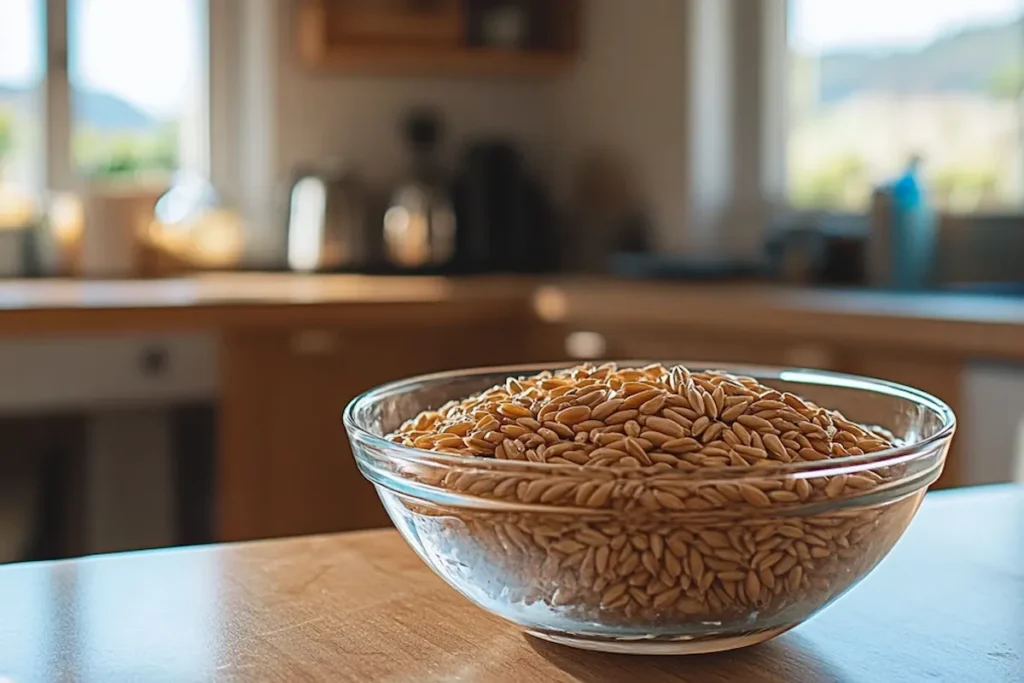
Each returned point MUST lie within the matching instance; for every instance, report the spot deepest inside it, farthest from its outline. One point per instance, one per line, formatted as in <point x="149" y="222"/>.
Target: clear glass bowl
<point x="709" y="560"/>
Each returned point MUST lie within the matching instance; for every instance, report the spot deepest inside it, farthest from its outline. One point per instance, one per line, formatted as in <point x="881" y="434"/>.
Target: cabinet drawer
<point x="68" y="373"/>
<point x="939" y="375"/>
<point x="678" y="343"/>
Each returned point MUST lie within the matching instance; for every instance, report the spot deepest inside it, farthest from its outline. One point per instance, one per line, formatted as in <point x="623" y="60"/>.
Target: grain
<point x="666" y="426"/>
<point x="622" y="533"/>
<point x="573" y="415"/>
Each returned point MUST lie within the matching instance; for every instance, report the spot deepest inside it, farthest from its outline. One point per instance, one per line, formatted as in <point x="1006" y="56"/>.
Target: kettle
<point x="419" y="224"/>
<point x="327" y="220"/>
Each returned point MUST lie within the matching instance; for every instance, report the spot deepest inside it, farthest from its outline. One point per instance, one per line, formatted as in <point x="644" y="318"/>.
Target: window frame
<point x="242" y="52"/>
<point x="59" y="169"/>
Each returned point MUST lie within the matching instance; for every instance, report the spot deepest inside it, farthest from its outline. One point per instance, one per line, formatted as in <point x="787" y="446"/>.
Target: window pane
<point x="874" y="82"/>
<point x="137" y="71"/>
<point x="21" y="76"/>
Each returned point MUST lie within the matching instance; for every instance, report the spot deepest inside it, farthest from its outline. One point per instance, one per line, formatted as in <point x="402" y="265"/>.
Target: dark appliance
<point x="504" y="216"/>
<point x="820" y="251"/>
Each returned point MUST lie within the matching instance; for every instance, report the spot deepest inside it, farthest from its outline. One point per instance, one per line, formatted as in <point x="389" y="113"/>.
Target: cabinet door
<point x="941" y="376"/>
<point x="285" y="463"/>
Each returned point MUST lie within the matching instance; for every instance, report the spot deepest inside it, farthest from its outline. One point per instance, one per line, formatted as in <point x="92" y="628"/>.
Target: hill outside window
<point x="873" y="82"/>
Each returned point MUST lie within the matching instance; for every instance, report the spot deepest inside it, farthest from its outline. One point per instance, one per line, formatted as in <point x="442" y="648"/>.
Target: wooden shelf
<point x="416" y="61"/>
<point x="322" y="52"/>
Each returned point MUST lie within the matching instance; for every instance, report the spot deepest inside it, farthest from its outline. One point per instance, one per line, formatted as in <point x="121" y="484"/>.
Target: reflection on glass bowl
<point x="707" y="562"/>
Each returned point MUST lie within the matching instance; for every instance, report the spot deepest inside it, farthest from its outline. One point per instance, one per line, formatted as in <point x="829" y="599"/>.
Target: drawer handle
<point x="313" y="343"/>
<point x="153" y="361"/>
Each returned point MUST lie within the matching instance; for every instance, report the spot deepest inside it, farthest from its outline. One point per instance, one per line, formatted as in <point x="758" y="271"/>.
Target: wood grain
<point x="285" y="466"/>
<point x="329" y="39"/>
<point x="945" y="606"/>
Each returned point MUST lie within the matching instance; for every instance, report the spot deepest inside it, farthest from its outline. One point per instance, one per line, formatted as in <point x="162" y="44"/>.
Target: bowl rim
<point x="850" y="464"/>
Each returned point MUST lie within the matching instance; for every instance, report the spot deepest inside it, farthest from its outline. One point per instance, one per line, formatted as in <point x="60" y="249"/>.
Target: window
<point x="136" y="94"/>
<point x="21" y="79"/>
<point x="135" y="108"/>
<point x="873" y="83"/>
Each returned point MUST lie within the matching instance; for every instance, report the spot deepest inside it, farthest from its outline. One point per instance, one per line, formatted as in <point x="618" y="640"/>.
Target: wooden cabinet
<point x="440" y="37"/>
<point x="939" y="375"/>
<point x="675" y="342"/>
<point x="285" y="465"/>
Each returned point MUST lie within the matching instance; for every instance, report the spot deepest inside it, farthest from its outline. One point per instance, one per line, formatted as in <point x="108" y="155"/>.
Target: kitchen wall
<point x="626" y="93"/>
<point x="357" y="118"/>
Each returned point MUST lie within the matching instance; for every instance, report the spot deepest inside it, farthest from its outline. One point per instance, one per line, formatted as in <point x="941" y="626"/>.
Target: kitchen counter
<point x="988" y="326"/>
<point x="946" y="605"/>
<point x="218" y="301"/>
<point x="285" y="353"/>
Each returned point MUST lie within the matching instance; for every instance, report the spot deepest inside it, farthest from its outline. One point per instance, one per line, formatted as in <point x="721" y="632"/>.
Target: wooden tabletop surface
<point x="946" y="605"/>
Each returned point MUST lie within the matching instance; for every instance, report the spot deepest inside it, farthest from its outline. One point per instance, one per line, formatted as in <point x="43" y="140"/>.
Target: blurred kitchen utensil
<point x="818" y="249"/>
<point x="903" y="233"/>
<point x="327" y="220"/>
<point x="419" y="224"/>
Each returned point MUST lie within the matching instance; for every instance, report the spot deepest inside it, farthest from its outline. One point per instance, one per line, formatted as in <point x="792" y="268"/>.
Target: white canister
<point x="114" y="219"/>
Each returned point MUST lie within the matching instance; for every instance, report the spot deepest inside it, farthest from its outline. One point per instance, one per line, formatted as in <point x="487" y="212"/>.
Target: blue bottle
<point x="913" y="230"/>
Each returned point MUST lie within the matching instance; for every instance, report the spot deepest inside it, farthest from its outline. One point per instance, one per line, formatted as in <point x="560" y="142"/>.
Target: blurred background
<point x="222" y="219"/>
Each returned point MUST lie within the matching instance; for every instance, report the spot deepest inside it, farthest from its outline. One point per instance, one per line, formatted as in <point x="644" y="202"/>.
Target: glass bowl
<point x="644" y="560"/>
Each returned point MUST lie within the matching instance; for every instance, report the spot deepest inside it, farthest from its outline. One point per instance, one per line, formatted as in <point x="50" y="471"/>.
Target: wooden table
<point x="947" y="605"/>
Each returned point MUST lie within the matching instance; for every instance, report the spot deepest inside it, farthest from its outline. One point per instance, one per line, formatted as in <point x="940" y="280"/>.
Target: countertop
<point x="988" y="326"/>
<point x="946" y="605"/>
<point x="219" y="300"/>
